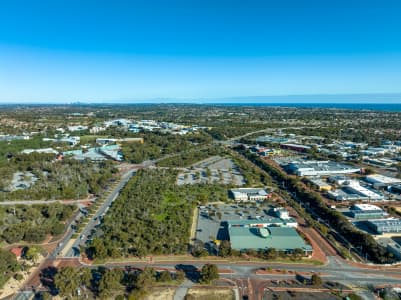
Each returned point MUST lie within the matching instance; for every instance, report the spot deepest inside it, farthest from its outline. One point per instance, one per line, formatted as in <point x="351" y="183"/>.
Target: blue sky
<point x="63" y="51"/>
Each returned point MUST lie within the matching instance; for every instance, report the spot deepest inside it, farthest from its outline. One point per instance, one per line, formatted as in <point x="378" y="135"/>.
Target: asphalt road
<point x="335" y="270"/>
<point x="73" y="250"/>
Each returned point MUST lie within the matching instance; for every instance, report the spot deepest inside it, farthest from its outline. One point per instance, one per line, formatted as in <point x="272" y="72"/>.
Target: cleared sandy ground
<point x="161" y="293"/>
<point x="210" y="294"/>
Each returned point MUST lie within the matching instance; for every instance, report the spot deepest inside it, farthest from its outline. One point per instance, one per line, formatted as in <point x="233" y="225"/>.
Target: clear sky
<point x="118" y="50"/>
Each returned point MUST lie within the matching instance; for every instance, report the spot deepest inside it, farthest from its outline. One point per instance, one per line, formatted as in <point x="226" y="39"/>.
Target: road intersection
<point x="243" y="273"/>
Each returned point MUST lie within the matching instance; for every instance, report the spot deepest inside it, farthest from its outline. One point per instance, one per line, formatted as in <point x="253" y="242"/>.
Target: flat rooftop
<point x="321" y="165"/>
<point x="249" y="191"/>
<point x="255" y="223"/>
<point x="377" y="178"/>
<point x="296" y="146"/>
<point x="366" y="207"/>
<point x="280" y="238"/>
<point x="385" y="222"/>
<point x="319" y="181"/>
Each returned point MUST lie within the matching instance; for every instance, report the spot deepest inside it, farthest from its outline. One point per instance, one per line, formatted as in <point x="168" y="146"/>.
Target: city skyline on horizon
<point x="374" y="98"/>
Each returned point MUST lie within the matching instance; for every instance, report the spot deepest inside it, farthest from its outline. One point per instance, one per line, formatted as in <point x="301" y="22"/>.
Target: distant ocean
<point x="354" y="106"/>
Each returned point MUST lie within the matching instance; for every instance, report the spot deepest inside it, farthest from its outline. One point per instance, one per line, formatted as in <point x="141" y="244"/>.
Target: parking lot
<point x="211" y="218"/>
<point x="215" y="169"/>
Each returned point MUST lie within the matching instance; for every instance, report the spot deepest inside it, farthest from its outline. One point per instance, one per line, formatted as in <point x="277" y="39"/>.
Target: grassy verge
<point x="183" y="258"/>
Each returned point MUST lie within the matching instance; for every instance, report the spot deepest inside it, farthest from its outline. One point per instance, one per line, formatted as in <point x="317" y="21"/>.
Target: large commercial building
<point x="385" y="225"/>
<point x="367" y="211"/>
<point x="70" y="140"/>
<point x="341" y="195"/>
<point x="112" y="151"/>
<point x="9" y="138"/>
<point x="379" y="181"/>
<point x="319" y="168"/>
<point x="338" y="179"/>
<point x="43" y="150"/>
<point x="272" y="139"/>
<point x="97" y="153"/>
<point x="351" y="190"/>
<point x="354" y="187"/>
<point x="295" y="147"/>
<point x="263" y="223"/>
<point x="320" y="184"/>
<point x="249" y="194"/>
<point x="284" y="239"/>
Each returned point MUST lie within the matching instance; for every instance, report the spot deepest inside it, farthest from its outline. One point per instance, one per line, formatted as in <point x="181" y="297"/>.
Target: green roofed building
<point x="284" y="239"/>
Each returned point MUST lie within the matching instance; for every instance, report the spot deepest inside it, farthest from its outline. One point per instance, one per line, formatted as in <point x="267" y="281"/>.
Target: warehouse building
<point x="320" y="168"/>
<point x="367" y="211"/>
<point x="295" y="147"/>
<point x="320" y="184"/>
<point x="285" y="239"/>
<point x="271" y="139"/>
<point x="338" y="179"/>
<point x="340" y="195"/>
<point x="385" y="225"/>
<point x="380" y="181"/>
<point x="249" y="194"/>
<point x="351" y="190"/>
<point x="353" y="186"/>
<point x="374" y="151"/>
<point x="43" y="150"/>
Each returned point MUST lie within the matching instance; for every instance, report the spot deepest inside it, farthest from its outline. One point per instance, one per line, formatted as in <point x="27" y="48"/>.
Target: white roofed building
<point x="320" y="168"/>
<point x="249" y="194"/>
<point x="281" y="213"/>
<point x="366" y="211"/>
<point x="382" y="181"/>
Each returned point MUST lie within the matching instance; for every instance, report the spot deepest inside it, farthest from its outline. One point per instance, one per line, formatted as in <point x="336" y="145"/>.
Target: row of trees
<point x="252" y="175"/>
<point x="190" y="157"/>
<point x="376" y="252"/>
<point x="70" y="282"/>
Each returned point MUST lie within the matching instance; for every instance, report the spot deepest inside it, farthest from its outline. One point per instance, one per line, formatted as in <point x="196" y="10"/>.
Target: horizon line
<point x="357" y="98"/>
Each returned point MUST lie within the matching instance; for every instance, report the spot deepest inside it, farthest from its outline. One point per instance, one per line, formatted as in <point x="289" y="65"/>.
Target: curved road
<point x="336" y="269"/>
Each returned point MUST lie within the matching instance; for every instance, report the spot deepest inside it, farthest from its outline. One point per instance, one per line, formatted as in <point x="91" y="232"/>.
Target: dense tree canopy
<point x="8" y="265"/>
<point x="157" y="145"/>
<point x="209" y="273"/>
<point x="33" y="222"/>
<point x="152" y="215"/>
<point x="67" y="179"/>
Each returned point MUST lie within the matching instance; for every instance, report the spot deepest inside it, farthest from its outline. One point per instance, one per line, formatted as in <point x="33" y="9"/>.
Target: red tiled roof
<point x="17" y="251"/>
